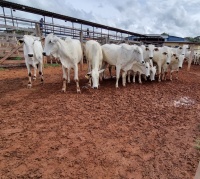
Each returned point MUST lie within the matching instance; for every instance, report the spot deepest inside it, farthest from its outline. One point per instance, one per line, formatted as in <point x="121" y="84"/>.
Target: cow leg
<point x="159" y="73"/>
<point x="139" y="79"/>
<point x="171" y="74"/>
<point x="110" y="68"/>
<point x="134" y="77"/>
<point x="124" y="78"/>
<point x="64" y="79"/>
<point x="41" y="73"/>
<point x="117" y="76"/>
<point x="90" y="79"/>
<point x="35" y="71"/>
<point x="177" y="74"/>
<point x="68" y="75"/>
<point x="129" y="76"/>
<point x="76" y="78"/>
<point x="29" y="76"/>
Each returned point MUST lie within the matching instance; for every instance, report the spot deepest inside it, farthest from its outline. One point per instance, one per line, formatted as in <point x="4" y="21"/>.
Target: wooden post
<point x="9" y="54"/>
<point x="37" y="30"/>
<point x="81" y="40"/>
<point x="191" y="57"/>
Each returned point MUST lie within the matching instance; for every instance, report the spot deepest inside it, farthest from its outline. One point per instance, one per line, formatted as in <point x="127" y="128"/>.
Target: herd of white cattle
<point x="127" y="59"/>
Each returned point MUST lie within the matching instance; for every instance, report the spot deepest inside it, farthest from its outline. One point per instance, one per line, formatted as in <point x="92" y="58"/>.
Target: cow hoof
<point x="29" y="86"/>
<point x="78" y="90"/>
<point x="63" y="90"/>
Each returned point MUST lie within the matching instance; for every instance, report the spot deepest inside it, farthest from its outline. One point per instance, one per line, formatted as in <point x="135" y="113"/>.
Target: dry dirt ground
<point x="141" y="131"/>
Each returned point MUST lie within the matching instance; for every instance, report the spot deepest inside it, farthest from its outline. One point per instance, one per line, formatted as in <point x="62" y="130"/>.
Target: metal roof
<point x="33" y="10"/>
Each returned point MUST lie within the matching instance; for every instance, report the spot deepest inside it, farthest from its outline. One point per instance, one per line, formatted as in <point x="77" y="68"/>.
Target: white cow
<point x="33" y="56"/>
<point x="162" y="56"/>
<point x="197" y="58"/>
<point x="140" y="69"/>
<point x="94" y="56"/>
<point x="148" y="52"/>
<point x="69" y="52"/>
<point x="152" y="72"/>
<point x="175" y="64"/>
<point x="122" y="56"/>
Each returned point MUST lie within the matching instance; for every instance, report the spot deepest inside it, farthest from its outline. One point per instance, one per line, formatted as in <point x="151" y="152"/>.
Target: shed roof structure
<point x="33" y="10"/>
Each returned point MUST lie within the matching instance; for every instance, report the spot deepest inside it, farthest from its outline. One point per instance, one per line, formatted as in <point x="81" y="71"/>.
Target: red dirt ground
<point x="142" y="131"/>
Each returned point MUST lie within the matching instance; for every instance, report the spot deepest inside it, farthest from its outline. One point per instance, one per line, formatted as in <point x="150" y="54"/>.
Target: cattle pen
<point x="141" y="131"/>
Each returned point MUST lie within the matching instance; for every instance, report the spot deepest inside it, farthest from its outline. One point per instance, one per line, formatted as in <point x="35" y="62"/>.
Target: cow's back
<point x="110" y="53"/>
<point x="74" y="50"/>
<point x="38" y="50"/>
<point x="93" y="52"/>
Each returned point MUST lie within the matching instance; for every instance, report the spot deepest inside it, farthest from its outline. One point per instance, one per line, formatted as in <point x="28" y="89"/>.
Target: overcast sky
<point x="175" y="17"/>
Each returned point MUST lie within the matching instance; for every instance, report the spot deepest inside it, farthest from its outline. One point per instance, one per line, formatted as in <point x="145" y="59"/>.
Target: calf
<point x="33" y="56"/>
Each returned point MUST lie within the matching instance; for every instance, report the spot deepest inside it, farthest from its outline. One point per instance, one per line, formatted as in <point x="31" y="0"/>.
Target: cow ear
<point x="21" y="41"/>
<point x="88" y="75"/>
<point x="54" y="39"/>
<point x="101" y="71"/>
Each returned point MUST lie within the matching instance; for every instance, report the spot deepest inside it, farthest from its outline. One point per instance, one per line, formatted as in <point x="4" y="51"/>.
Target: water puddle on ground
<point x="184" y="101"/>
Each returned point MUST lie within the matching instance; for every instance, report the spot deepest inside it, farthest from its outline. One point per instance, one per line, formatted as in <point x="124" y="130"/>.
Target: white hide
<point x="162" y="56"/>
<point x="148" y="52"/>
<point x="152" y="73"/>
<point x="33" y="55"/>
<point x="140" y="69"/>
<point x="69" y="52"/>
<point x="122" y="56"/>
<point x="94" y="56"/>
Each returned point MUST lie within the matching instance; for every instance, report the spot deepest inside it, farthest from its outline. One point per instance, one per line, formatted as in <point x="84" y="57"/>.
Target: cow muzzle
<point x="44" y="54"/>
<point x="30" y="55"/>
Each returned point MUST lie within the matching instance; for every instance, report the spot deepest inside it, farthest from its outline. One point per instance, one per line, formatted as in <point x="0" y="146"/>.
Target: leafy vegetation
<point x="191" y="39"/>
<point x="197" y="144"/>
<point x="2" y="69"/>
<point x="51" y="65"/>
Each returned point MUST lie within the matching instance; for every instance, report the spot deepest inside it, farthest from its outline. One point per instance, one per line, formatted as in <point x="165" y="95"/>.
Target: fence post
<point x="37" y="30"/>
<point x="81" y="40"/>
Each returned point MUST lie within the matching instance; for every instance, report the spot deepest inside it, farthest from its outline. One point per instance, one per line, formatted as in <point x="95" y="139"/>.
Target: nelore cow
<point x="123" y="57"/>
<point x="94" y="56"/>
<point x="33" y="56"/>
<point x="148" y="52"/>
<point x="140" y="69"/>
<point x="162" y="56"/>
<point x="69" y="52"/>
